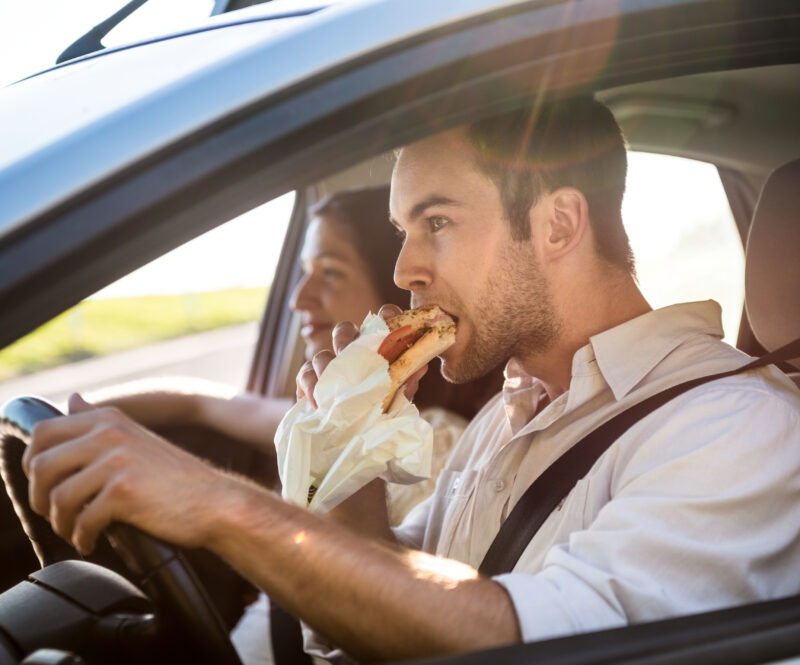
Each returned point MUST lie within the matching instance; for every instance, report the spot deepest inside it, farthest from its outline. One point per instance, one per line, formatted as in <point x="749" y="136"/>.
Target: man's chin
<point x="464" y="365"/>
<point x="452" y="368"/>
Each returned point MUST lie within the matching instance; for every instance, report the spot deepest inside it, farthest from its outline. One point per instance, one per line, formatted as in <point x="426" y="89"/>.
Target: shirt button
<point x="499" y="485"/>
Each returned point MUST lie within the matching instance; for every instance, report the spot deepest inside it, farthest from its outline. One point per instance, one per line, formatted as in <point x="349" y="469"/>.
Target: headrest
<point x="772" y="266"/>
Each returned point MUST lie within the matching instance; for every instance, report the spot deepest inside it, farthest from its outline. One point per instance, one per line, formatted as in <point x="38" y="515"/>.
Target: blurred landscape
<point x="100" y="327"/>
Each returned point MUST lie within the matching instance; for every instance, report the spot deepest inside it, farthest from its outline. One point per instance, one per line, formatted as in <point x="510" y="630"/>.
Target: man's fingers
<point x="95" y="516"/>
<point x="388" y="311"/>
<point x="77" y="404"/>
<point x="49" y="433"/>
<point x="309" y="373"/>
<point x="68" y="499"/>
<point x="412" y="385"/>
<point x="306" y="380"/>
<point x="343" y="334"/>
<point x="320" y="361"/>
<point x="49" y="468"/>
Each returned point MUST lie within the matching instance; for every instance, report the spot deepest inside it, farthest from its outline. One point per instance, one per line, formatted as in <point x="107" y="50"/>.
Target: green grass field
<point x="97" y="327"/>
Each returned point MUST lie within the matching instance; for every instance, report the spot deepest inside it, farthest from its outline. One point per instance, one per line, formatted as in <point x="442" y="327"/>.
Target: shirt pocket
<point x="571" y="515"/>
<point x="453" y="490"/>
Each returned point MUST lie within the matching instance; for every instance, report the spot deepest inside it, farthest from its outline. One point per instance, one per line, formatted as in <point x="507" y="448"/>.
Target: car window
<point x="683" y="235"/>
<point x="192" y="313"/>
<point x="34" y="34"/>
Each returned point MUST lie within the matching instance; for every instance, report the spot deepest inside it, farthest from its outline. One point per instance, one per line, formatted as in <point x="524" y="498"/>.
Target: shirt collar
<point x="628" y="352"/>
<point x="523" y="396"/>
<point x="624" y="355"/>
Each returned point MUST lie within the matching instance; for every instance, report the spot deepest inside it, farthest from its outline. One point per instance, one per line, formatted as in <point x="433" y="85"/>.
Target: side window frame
<point x="276" y="332"/>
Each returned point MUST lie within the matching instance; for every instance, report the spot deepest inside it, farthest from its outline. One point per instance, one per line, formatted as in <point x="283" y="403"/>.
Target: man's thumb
<point x="77" y="404"/>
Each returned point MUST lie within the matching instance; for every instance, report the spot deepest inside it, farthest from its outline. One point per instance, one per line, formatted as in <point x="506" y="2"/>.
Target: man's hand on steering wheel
<point x="96" y="466"/>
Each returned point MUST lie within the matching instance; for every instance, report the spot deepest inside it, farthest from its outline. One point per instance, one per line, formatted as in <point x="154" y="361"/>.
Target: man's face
<point x="458" y="253"/>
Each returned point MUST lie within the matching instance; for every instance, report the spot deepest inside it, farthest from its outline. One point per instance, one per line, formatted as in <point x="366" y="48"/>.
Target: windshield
<point x="33" y="34"/>
<point x="124" y="75"/>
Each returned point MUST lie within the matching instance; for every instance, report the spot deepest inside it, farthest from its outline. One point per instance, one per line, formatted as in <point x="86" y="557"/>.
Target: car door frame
<point x="341" y="116"/>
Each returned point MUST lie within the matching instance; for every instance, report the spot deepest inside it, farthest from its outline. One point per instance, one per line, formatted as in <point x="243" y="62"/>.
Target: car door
<point x="443" y="69"/>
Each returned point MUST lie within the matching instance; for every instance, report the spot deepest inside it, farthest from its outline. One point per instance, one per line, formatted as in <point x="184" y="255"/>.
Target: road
<point x="220" y="355"/>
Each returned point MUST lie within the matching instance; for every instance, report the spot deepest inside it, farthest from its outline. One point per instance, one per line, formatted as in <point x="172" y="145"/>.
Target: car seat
<point x="772" y="264"/>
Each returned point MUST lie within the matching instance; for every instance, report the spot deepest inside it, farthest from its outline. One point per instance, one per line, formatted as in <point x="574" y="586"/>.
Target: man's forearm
<point x="156" y="408"/>
<point x="248" y="417"/>
<point x="366" y="512"/>
<point x="376" y="601"/>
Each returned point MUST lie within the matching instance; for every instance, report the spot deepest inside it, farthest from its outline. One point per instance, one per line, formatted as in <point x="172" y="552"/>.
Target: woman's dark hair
<point x="365" y="214"/>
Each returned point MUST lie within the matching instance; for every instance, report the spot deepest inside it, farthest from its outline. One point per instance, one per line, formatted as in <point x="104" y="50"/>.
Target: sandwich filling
<point x="416" y="337"/>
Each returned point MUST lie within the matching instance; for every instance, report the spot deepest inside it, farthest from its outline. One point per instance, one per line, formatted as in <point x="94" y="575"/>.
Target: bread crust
<point x="420" y="316"/>
<point x="437" y="338"/>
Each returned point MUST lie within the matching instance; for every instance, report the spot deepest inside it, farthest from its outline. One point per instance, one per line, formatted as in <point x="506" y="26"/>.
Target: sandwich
<point x="415" y="337"/>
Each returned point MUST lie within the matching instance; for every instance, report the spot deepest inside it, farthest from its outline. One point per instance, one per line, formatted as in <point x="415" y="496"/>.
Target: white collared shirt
<point x="694" y="508"/>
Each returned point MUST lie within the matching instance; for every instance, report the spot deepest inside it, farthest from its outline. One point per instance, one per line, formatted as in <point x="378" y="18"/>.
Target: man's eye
<point x="400" y="233"/>
<point x="437" y="223"/>
<point x="332" y="273"/>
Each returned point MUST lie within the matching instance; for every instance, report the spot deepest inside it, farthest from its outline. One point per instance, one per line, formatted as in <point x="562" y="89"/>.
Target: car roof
<point x="156" y="91"/>
<point x="343" y="84"/>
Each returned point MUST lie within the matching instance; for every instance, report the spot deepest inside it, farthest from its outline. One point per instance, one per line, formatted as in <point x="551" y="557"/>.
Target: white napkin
<point x="347" y="441"/>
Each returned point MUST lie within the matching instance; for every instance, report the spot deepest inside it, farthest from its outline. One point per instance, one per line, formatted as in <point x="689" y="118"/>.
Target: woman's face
<point x="336" y="284"/>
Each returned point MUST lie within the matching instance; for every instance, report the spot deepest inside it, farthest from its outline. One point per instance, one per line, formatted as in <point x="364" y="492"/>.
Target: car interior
<point x="742" y="121"/>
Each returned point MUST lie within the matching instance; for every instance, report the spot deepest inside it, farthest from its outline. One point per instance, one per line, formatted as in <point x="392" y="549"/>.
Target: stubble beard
<point x="513" y="316"/>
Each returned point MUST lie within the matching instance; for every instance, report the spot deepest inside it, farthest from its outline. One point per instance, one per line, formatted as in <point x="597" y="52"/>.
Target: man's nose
<point x="413" y="270"/>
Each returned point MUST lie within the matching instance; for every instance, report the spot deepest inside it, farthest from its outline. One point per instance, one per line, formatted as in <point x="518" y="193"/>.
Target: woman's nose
<point x="303" y="295"/>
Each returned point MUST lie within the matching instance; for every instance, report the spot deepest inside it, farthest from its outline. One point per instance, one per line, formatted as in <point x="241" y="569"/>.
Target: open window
<point x="683" y="235"/>
<point x="191" y="313"/>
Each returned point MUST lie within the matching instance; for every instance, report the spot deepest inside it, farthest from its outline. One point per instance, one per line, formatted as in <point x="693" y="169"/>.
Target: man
<point x="513" y="226"/>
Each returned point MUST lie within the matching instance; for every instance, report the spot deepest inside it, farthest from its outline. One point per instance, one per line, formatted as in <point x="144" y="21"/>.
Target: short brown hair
<point x="575" y="142"/>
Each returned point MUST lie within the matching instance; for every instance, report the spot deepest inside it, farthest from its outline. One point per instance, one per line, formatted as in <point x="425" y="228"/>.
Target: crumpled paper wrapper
<point x="348" y="441"/>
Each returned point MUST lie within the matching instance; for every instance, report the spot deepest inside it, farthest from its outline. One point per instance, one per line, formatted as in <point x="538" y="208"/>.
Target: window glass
<point x="34" y="33"/>
<point x="193" y="312"/>
<point x="683" y="235"/>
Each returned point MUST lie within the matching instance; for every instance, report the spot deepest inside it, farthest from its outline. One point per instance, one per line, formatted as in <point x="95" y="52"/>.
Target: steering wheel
<point x="183" y="607"/>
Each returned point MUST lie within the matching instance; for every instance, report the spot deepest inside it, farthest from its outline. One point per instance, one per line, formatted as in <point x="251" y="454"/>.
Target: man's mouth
<point x="415" y="303"/>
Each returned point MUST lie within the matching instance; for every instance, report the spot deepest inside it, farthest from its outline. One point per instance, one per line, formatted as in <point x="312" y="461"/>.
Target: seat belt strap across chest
<point x="549" y="489"/>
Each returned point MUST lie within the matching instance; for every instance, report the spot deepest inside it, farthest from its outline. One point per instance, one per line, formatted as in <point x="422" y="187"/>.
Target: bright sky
<point x="683" y="235"/>
<point x="34" y="32"/>
<point x="243" y="252"/>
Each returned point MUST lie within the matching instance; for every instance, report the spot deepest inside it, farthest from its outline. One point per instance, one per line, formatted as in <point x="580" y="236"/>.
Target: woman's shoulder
<point x="439" y="417"/>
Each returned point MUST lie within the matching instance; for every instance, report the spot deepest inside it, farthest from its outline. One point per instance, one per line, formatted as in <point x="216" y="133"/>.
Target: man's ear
<point x="567" y="221"/>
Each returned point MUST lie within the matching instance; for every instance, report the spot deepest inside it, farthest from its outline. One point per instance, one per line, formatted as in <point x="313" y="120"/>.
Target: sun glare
<point x="444" y="572"/>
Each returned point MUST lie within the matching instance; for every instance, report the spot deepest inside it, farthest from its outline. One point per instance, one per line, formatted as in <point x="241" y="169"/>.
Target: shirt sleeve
<point x="701" y="514"/>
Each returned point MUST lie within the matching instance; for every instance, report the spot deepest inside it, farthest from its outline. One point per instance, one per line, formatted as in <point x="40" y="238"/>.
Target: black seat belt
<point x="286" y="636"/>
<point x="549" y="489"/>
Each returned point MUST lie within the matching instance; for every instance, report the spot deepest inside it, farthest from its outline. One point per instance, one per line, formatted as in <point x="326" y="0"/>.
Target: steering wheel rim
<point x="181" y="601"/>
